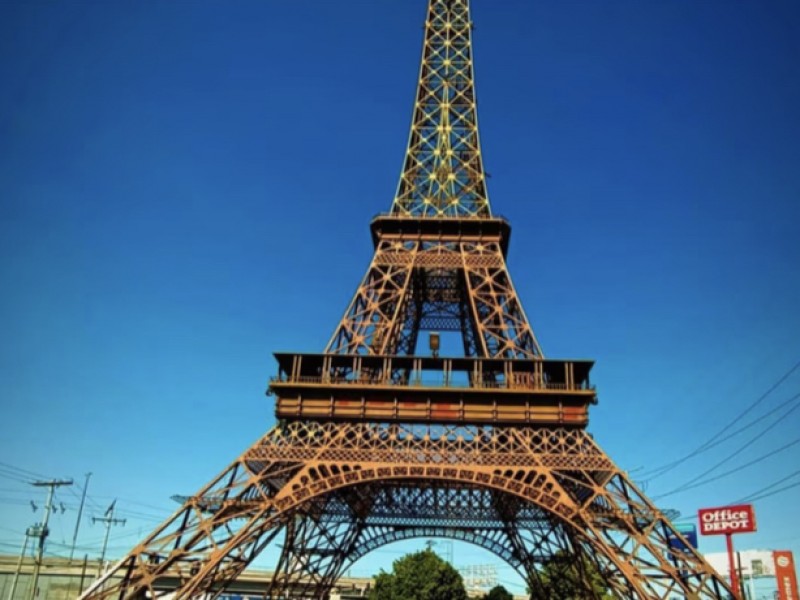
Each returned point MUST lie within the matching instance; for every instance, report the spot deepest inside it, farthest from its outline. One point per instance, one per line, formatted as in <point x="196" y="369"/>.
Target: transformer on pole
<point x="44" y="532"/>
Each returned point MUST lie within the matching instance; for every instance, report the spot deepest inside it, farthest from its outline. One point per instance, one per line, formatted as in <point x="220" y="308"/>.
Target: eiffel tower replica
<point x="379" y="440"/>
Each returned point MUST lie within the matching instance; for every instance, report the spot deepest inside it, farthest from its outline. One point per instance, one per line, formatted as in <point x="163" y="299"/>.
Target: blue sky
<point x="186" y="188"/>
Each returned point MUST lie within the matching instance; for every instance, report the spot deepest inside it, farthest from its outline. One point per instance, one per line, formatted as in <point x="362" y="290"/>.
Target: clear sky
<point x="186" y="188"/>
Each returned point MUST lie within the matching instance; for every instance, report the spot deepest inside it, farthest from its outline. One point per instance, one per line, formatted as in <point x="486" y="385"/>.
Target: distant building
<point x="757" y="572"/>
<point x="758" y="563"/>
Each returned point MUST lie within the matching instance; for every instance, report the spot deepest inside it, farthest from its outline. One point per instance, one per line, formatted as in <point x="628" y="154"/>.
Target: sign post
<point x="728" y="520"/>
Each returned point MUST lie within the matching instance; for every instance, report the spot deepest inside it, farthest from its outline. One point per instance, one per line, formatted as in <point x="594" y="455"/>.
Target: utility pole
<point x="108" y="520"/>
<point x="78" y="521"/>
<point x="28" y="533"/>
<point x="37" y="565"/>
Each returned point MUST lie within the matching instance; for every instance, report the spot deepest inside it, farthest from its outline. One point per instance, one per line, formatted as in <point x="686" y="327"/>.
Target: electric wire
<point x="775" y="492"/>
<point x="27" y="477"/>
<point x="151" y="506"/>
<point x="759" y="494"/>
<point x="766" y="488"/>
<point x="10" y="545"/>
<point x="743" y="428"/>
<point x="94" y="543"/>
<point x="688" y="484"/>
<point x="164" y="513"/>
<point x="25" y="472"/>
<point x="89" y="498"/>
<point x="733" y="471"/>
<point x="713" y="441"/>
<point x="15" y="476"/>
<point x="15" y="501"/>
<point x="11" y="530"/>
<point x="161" y="512"/>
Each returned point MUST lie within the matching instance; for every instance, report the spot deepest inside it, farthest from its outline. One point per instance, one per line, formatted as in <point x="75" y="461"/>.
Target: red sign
<point x="727" y="519"/>
<point x="785" y="575"/>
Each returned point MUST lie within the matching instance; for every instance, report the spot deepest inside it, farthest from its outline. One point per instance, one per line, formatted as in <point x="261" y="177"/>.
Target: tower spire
<point x="442" y="172"/>
<point x="439" y="261"/>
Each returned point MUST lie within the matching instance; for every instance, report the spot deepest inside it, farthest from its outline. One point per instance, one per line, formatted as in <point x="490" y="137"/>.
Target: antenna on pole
<point x="108" y="520"/>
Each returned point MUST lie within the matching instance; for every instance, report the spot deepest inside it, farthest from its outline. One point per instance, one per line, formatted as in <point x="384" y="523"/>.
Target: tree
<point x="561" y="579"/>
<point x="419" y="576"/>
<point x="498" y="592"/>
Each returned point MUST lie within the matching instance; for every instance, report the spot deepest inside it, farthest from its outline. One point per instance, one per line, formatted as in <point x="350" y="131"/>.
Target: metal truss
<point x="443" y="171"/>
<point x="497" y="456"/>
<point x="414" y="285"/>
<point x="440" y="277"/>
<point x="337" y="491"/>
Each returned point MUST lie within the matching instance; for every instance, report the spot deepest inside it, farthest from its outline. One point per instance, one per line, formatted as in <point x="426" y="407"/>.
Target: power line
<point x="767" y="487"/>
<point x="89" y="498"/>
<point x="750" y="442"/>
<point x="15" y="476"/>
<point x="15" y="501"/>
<point x="161" y="509"/>
<point x="92" y="544"/>
<point x="732" y="471"/>
<point x="759" y="494"/>
<point x="26" y="472"/>
<point x="713" y="441"/>
<point x="133" y="514"/>
<point x="742" y="428"/>
<point x="774" y="493"/>
<point x="160" y="515"/>
<point x="732" y="434"/>
<point x="14" y="531"/>
<point x="143" y="516"/>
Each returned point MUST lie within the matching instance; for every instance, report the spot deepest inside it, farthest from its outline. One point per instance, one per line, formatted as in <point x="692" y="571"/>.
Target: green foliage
<point x="419" y="576"/>
<point x="498" y="592"/>
<point x="561" y="580"/>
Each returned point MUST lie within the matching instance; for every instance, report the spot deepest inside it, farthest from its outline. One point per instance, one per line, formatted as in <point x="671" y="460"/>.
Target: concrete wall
<point x="59" y="580"/>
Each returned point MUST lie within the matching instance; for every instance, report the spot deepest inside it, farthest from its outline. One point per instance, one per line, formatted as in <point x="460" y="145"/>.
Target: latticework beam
<point x="414" y="285"/>
<point x="497" y="454"/>
<point x="542" y="491"/>
<point x="443" y="170"/>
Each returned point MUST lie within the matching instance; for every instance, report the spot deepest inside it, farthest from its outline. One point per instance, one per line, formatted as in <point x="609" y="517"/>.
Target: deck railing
<point x="433" y="373"/>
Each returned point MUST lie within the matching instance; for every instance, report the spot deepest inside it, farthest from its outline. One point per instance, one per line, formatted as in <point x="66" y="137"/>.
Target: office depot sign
<point x="727" y="519"/>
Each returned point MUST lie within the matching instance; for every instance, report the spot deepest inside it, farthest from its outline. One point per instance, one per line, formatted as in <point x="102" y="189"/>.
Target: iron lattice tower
<point x="377" y="443"/>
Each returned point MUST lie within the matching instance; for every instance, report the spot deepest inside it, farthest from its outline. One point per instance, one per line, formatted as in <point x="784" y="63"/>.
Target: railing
<point x="434" y="372"/>
<point x="443" y="382"/>
<point x="433" y="389"/>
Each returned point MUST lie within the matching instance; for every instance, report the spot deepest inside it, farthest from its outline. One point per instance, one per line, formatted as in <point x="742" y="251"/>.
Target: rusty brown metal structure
<point x="380" y="438"/>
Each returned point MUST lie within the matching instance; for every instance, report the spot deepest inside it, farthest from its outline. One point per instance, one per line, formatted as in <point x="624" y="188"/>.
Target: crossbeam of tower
<point x="381" y="439"/>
